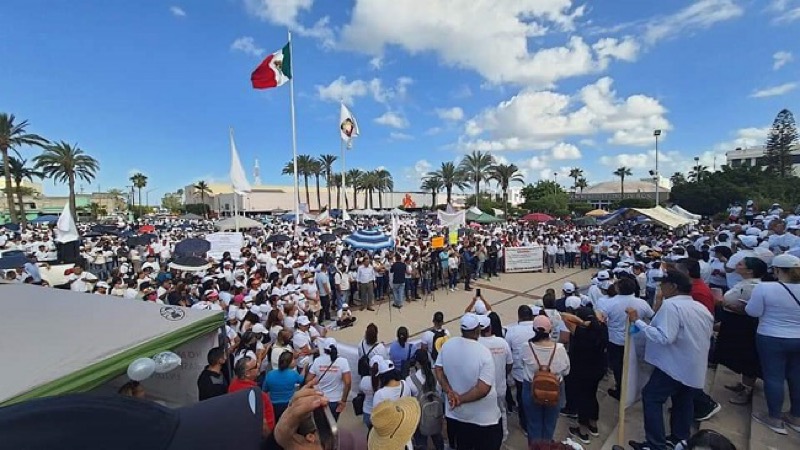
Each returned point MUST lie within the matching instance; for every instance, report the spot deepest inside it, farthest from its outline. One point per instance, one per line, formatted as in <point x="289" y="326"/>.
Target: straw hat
<point x="394" y="423"/>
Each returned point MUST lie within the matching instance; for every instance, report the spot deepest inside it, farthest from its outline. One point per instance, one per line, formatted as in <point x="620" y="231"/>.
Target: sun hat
<point x="748" y="240"/>
<point x="393" y="423"/>
<point x="303" y="321"/>
<point x="542" y="322"/>
<point x="786" y="261"/>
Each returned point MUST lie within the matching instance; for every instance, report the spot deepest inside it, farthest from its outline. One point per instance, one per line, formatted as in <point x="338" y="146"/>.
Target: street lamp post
<point x="147" y="196"/>
<point x="657" y="133"/>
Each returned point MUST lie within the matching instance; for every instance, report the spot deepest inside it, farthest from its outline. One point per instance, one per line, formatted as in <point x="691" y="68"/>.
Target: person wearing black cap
<point x="678" y="340"/>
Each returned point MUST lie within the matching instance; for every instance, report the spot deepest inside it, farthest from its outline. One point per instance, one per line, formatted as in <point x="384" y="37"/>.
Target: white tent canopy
<point x="365" y="212"/>
<point x="399" y="212"/>
<point x="243" y="223"/>
<point x="664" y="217"/>
<point x="59" y="342"/>
<point x="682" y="212"/>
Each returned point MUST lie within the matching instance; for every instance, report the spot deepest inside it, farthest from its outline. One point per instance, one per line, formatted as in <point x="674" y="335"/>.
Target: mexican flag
<point x="274" y="71"/>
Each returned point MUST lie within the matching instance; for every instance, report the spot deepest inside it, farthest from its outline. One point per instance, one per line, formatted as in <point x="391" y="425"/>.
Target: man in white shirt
<point x="79" y="279"/>
<point x="517" y="337"/>
<point x="465" y="371"/>
<point x="366" y="284"/>
<point x="501" y="354"/>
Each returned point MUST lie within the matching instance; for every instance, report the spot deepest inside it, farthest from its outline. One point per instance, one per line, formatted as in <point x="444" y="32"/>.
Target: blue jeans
<point x="367" y="418"/>
<point x="541" y="420"/>
<point x="780" y="362"/>
<point x="333" y="406"/>
<point x="658" y="389"/>
<point x="397" y="290"/>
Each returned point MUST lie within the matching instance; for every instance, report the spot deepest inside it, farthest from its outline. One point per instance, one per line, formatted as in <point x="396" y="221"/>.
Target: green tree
<point x="315" y="169"/>
<point x="533" y="192"/>
<point x="96" y="210"/>
<point x="204" y="189"/>
<point x="575" y="173"/>
<point x="21" y="172"/>
<point x="622" y="172"/>
<point x="432" y="185"/>
<point x="698" y="172"/>
<point x="336" y="181"/>
<point x="172" y="201"/>
<point x="474" y="169"/>
<point x="67" y="163"/>
<point x="304" y="163"/>
<point x="139" y="181"/>
<point x="327" y="162"/>
<point x="353" y="179"/>
<point x="14" y="135"/>
<point x="118" y="196"/>
<point x="677" y="178"/>
<point x="552" y="203"/>
<point x="384" y="183"/>
<point x="581" y="184"/>
<point x="505" y="174"/>
<point x="782" y="137"/>
<point x="451" y="177"/>
<point x="369" y="184"/>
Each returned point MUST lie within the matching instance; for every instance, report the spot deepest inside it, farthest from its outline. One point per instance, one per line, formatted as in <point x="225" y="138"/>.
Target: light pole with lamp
<point x="657" y="133"/>
<point x="147" y="196"/>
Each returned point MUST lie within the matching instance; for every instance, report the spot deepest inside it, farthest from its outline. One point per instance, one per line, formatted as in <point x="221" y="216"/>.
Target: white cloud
<point x="392" y="119"/>
<point x="462" y="92"/>
<point x="415" y="174"/>
<point x="177" y="11"/>
<point x="745" y="137"/>
<point x="433" y="131"/>
<point x="774" y="91"/>
<point x="376" y="62"/>
<point x="285" y="13"/>
<point x="247" y="44"/>
<point x="563" y="151"/>
<point x="454" y="114"/>
<point x="398" y="136"/>
<point x="701" y="14"/>
<point x="539" y="120"/>
<point x="347" y="91"/>
<point x="785" y="11"/>
<point x="781" y="59"/>
<point x="490" y="37"/>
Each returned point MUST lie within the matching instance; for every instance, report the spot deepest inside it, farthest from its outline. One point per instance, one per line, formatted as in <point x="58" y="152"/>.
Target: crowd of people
<point x="736" y="285"/>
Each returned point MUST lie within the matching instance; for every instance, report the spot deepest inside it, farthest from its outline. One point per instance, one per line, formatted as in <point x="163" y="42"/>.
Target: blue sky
<point x="545" y="84"/>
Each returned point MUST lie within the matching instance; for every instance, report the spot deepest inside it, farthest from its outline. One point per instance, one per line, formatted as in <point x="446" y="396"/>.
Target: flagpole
<point x="344" y="181"/>
<point x="294" y="140"/>
<point x="235" y="195"/>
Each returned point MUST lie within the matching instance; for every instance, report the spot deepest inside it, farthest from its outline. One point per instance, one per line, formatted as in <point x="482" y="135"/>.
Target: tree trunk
<point x="72" y="206"/>
<point x="433" y="199"/>
<point x="477" y="192"/>
<point x="355" y="197"/>
<point x="621" y="187"/>
<point x="319" y="198"/>
<point x="328" y="183"/>
<point x="505" y="203"/>
<point x="12" y="211"/>
<point x="140" y="202"/>
<point x="449" y="189"/>
<point x="366" y="196"/>
<point x="308" y="194"/>
<point x="203" y="201"/>
<point x="23" y="218"/>
<point x="380" y="199"/>
<point x="338" y="197"/>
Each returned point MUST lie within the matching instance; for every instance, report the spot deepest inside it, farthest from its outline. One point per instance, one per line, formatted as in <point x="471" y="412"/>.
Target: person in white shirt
<point x="332" y="376"/>
<point x="501" y="354"/>
<point x="367" y="386"/>
<point x="517" y="337"/>
<point x="365" y="277"/>
<point x="80" y="280"/>
<point x="392" y="387"/>
<point x="465" y="371"/>
<point x="370" y="345"/>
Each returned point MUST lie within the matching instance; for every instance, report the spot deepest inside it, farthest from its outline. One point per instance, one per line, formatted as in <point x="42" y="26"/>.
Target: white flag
<point x="66" y="231"/>
<point x="395" y="226"/>
<point x="238" y="177"/>
<point x="348" y="127"/>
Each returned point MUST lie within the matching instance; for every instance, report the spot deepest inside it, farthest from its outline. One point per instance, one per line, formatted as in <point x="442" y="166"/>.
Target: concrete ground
<point x="504" y="293"/>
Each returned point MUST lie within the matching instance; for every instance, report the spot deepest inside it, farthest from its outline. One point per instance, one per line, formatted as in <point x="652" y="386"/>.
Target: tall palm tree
<point x="622" y="172"/>
<point x="698" y="172"/>
<point x="12" y="137"/>
<point x="117" y="195"/>
<point x="385" y="183"/>
<point x="575" y="173"/>
<point x="677" y="178"/>
<point x="327" y="162"/>
<point x="370" y="184"/>
<point x="66" y="163"/>
<point x="336" y="181"/>
<point x="139" y="181"/>
<point x="434" y="185"/>
<point x="315" y="168"/>
<point x="450" y="176"/>
<point x="581" y="184"/>
<point x="20" y="172"/>
<point x="475" y="168"/>
<point x="203" y="188"/>
<point x="96" y="210"/>
<point x="353" y="179"/>
<point x="505" y="174"/>
<point x="304" y="163"/>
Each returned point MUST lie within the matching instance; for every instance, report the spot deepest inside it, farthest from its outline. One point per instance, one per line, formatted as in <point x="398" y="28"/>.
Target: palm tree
<point x="353" y="180"/>
<point x="475" y="168"/>
<point x="139" y="181"/>
<point x="118" y="196"/>
<point x="575" y="173"/>
<point x="368" y="184"/>
<point x="304" y="163"/>
<point x="203" y="188"/>
<point x="433" y="185"/>
<point x="336" y="181"/>
<point x="505" y="174"/>
<point x="385" y="183"/>
<point x="581" y="184"/>
<point x="315" y="168"/>
<point x="677" y="178"/>
<point x="622" y="172"/>
<point x="20" y="172"/>
<point x="96" y="210"/>
<point x="450" y="177"/>
<point x="12" y="136"/>
<point x="327" y="162"/>
<point x="698" y="172"/>
<point x="66" y="163"/>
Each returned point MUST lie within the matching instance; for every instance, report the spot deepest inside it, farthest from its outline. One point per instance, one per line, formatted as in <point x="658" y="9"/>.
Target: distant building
<point x="38" y="205"/>
<point x="602" y="195"/>
<point x="754" y="156"/>
<point x="515" y="196"/>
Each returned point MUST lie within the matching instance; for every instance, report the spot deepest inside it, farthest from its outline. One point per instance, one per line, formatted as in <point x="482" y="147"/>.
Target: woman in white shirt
<point x="332" y="376"/>
<point x="423" y="378"/>
<point x="367" y="386"/>
<point x="391" y="386"/>
<point x="541" y="420"/>
<point x="718" y="278"/>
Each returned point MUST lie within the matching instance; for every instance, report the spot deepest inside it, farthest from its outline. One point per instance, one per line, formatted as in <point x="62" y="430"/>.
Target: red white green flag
<point x="274" y="71"/>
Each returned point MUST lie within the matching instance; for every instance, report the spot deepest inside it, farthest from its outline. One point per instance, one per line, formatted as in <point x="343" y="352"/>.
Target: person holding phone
<point x="332" y="376"/>
<point x="478" y="305"/>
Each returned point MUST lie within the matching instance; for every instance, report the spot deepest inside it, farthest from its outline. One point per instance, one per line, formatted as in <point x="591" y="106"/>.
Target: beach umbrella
<point x="12" y="262"/>
<point x="190" y="264"/>
<point x="596" y="213"/>
<point x="192" y="247"/>
<point x="278" y="238"/>
<point x="144" y="229"/>
<point x="537" y="217"/>
<point x="327" y="237"/>
<point x="371" y="240"/>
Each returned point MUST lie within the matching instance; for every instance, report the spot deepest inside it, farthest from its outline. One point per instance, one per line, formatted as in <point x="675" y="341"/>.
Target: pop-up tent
<point x="665" y="217"/>
<point x="58" y="342"/>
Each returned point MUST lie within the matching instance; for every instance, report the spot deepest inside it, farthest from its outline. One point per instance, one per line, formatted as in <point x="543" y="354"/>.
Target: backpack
<point x="431" y="409"/>
<point x="438" y="335"/>
<point x="545" y="386"/>
<point x="363" y="361"/>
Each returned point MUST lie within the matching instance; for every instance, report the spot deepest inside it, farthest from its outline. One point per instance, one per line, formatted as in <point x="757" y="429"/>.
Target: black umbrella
<point x="190" y="263"/>
<point x="13" y="262"/>
<point x="12" y="226"/>
<point x="277" y="238"/>
<point x="192" y="247"/>
<point x="327" y="237"/>
<point x="310" y="222"/>
<point x="341" y="231"/>
<point x="92" y="234"/>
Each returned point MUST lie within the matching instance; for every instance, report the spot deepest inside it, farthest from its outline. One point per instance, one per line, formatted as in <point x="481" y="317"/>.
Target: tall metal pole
<point x="657" y="133"/>
<point x="294" y="141"/>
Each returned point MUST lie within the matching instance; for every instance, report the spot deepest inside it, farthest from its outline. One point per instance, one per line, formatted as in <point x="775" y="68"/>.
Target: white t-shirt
<point x="427" y="339"/>
<point x="79" y="283"/>
<point x="501" y="354"/>
<point x="332" y="383"/>
<point x="365" y="386"/>
<point x="560" y="365"/>
<point x="464" y="362"/>
<point x="391" y="393"/>
<point x="379" y="349"/>
<point x="517" y="337"/>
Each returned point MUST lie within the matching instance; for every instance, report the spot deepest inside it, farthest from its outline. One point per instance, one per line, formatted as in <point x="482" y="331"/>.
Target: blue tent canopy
<point x="48" y="218"/>
<point x="371" y="240"/>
